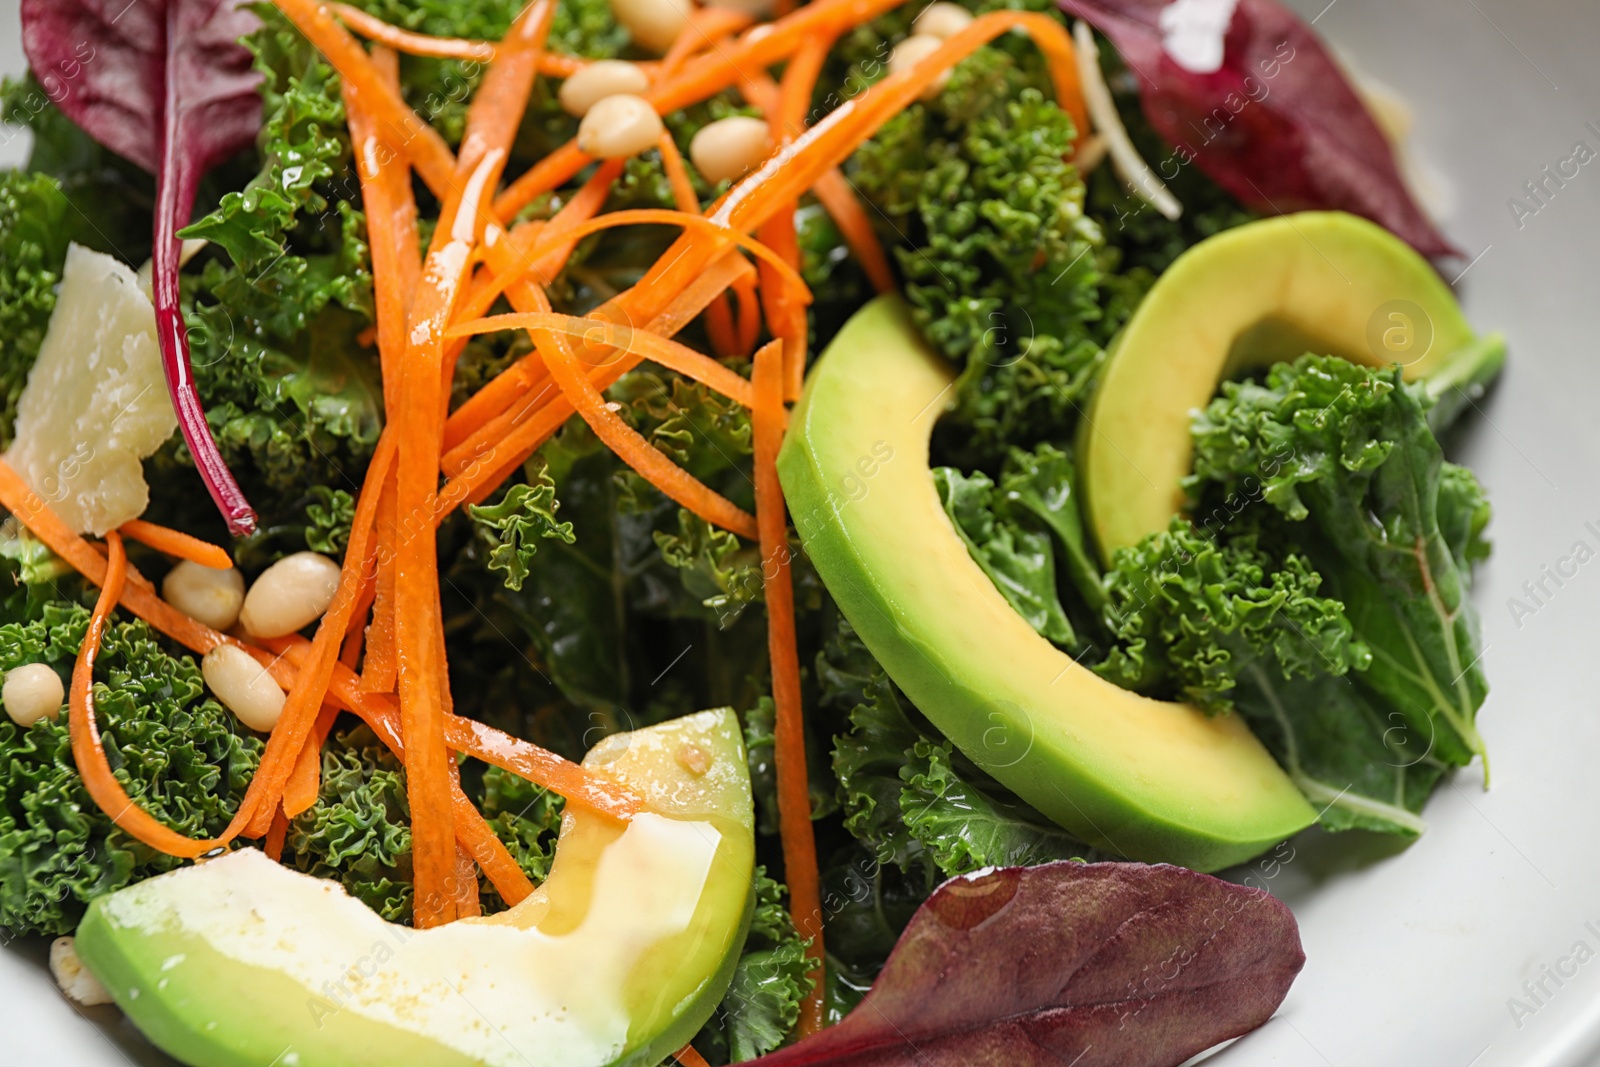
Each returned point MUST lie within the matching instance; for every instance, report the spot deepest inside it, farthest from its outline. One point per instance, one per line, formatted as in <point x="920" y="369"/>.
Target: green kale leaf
<point x="1190" y="614"/>
<point x="1346" y="455"/>
<point x="178" y="753"/>
<point x="1018" y="558"/>
<point x="329" y="516"/>
<point x="513" y="527"/>
<point x="34" y="230"/>
<point x="770" y="980"/>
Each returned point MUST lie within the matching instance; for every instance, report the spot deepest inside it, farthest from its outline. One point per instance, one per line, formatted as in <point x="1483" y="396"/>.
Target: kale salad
<point x="610" y="531"/>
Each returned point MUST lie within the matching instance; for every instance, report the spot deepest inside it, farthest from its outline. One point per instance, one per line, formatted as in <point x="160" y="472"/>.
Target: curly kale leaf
<point x="1345" y="453"/>
<point x="179" y="754"/>
<point x="1017" y="557"/>
<point x="1001" y="265"/>
<point x="278" y="307"/>
<point x="329" y="516"/>
<point x="1044" y="482"/>
<point x="525" y="816"/>
<point x="1190" y="614"/>
<point x="919" y="805"/>
<point x="359" y="831"/>
<point x="34" y="230"/>
<point x="513" y="528"/>
<point x="716" y="568"/>
<point x="770" y="980"/>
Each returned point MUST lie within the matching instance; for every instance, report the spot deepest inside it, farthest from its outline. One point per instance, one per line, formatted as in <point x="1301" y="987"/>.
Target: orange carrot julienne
<point x="273" y="845"/>
<point x="839" y="200"/>
<point x="789" y="743"/>
<point x="177" y="544"/>
<point x="480" y="479"/>
<point x="688" y="1057"/>
<point x="587" y="789"/>
<point x="412" y="44"/>
<point x="661" y="350"/>
<point x="87" y="750"/>
<point x="624" y="440"/>
<point x="719" y="317"/>
<point x="300" y="791"/>
<point x="421" y="142"/>
<point x="422" y="672"/>
<point x="707" y="26"/>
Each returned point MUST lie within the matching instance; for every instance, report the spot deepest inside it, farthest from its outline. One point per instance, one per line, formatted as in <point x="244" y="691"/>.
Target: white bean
<point x="618" y="127"/>
<point x="204" y="593"/>
<point x="942" y="19"/>
<point x="32" y="692"/>
<point x="600" y="79"/>
<point x="75" y="980"/>
<point x="726" y="149"/>
<point x="913" y="50"/>
<point x="290" y="594"/>
<point x="244" y="686"/>
<point x="654" y="24"/>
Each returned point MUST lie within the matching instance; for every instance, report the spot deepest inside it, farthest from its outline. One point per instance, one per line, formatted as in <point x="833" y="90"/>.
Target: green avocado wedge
<point x="618" y="958"/>
<point x="1323" y="282"/>
<point x="1143" y="778"/>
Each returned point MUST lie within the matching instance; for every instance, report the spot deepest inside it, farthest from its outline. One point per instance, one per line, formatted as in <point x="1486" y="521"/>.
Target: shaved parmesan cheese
<point x="96" y="401"/>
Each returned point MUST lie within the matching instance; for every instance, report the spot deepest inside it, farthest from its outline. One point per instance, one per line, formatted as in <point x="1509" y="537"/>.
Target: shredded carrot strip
<point x="87" y="751"/>
<point x="378" y="669"/>
<point x="624" y="440"/>
<point x="688" y="1057"/>
<point x="591" y="790"/>
<point x="177" y="544"/>
<point x="719" y="316"/>
<point x="273" y="846"/>
<point x="789" y="741"/>
<point x="418" y="424"/>
<point x="749" y="312"/>
<point x="704" y="228"/>
<point x="412" y="44"/>
<point x="421" y="142"/>
<point x="300" y="792"/>
<point x="482" y="478"/>
<point x="839" y="200"/>
<point x="662" y="350"/>
<point x="706" y="28"/>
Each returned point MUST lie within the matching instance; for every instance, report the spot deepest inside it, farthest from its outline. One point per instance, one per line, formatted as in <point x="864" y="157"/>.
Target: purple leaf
<point x="1094" y="965"/>
<point x="1277" y="124"/>
<point x="166" y="84"/>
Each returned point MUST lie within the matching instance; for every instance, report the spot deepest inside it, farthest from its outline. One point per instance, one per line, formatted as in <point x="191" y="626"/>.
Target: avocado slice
<point x="1143" y="778"/>
<point x="1318" y="281"/>
<point x="618" y="958"/>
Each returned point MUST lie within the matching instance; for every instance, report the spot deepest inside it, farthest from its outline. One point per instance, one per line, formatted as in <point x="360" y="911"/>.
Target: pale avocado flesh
<point x="1323" y="282"/>
<point x="1143" y="778"/>
<point x="618" y="958"/>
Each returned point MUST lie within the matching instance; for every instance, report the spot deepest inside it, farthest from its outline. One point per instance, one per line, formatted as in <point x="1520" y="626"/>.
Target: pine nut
<point x="942" y="19"/>
<point x="243" y="686"/>
<point x="290" y="594"/>
<point x="913" y="50"/>
<point x="728" y="148"/>
<point x="205" y="593"/>
<point x="72" y="977"/>
<point x="600" y="79"/>
<point x="618" y="127"/>
<point x="654" y="24"/>
<point x="32" y="692"/>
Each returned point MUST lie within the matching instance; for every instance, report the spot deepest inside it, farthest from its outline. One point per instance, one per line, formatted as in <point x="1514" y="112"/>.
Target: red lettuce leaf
<point x="166" y="84"/>
<point x="1277" y="125"/>
<point x="1095" y="965"/>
